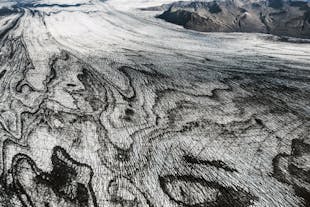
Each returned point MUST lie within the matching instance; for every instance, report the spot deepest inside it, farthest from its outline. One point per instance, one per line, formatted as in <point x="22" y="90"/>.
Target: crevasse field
<point x="102" y="104"/>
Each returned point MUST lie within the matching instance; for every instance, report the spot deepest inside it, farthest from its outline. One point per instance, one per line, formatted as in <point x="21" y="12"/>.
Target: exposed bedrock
<point x="278" y="17"/>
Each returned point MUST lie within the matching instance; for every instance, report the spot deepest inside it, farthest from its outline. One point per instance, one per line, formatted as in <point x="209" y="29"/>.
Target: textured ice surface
<point x="102" y="104"/>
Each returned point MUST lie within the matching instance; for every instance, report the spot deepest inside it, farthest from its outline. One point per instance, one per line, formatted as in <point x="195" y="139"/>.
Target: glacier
<point x="102" y="104"/>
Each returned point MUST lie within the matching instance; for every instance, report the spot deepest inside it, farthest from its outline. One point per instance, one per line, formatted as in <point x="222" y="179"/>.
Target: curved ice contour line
<point x="101" y="104"/>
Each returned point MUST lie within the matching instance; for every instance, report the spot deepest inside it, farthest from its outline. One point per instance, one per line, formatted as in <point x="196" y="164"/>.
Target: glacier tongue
<point x="102" y="104"/>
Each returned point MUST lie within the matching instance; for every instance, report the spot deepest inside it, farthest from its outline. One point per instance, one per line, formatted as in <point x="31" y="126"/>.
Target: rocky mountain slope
<point x="279" y="17"/>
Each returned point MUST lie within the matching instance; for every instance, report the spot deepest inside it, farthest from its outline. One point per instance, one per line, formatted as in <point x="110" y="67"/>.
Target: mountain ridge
<point x="277" y="17"/>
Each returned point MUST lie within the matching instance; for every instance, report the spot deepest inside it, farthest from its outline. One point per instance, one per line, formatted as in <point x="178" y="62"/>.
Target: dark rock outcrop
<point x="278" y="17"/>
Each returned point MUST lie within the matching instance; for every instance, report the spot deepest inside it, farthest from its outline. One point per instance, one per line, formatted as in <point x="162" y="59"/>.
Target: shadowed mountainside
<point x="278" y="17"/>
